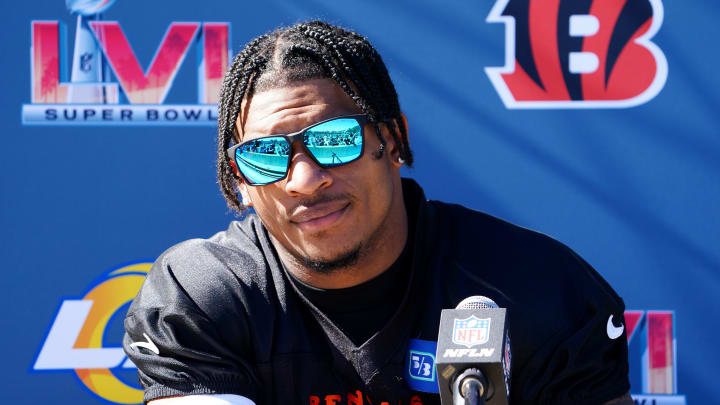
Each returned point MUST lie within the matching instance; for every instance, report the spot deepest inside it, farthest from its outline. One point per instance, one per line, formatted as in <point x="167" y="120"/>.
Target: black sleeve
<point x="175" y="345"/>
<point x="582" y="356"/>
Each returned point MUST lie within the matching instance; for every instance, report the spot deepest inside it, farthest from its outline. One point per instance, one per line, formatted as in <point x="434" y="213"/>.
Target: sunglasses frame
<point x="298" y="136"/>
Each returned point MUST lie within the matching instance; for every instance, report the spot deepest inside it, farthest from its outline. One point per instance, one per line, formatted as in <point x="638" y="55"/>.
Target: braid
<point x="306" y="51"/>
<point x="235" y="84"/>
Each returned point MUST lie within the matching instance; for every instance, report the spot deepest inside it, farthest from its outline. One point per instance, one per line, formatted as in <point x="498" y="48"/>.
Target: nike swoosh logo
<point x="151" y="346"/>
<point x="613" y="331"/>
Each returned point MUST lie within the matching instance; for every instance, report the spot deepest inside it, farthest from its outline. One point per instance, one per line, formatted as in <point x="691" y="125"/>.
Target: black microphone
<point x="473" y="353"/>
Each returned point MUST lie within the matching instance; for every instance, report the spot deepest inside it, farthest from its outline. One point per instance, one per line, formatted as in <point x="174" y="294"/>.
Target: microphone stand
<point x="473" y="391"/>
<point x="470" y="388"/>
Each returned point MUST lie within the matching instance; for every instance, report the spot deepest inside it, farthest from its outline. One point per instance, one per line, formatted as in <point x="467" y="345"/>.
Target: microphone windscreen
<point x="476" y="302"/>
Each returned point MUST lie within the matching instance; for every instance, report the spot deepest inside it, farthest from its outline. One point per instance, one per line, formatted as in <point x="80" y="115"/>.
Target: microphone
<point x="473" y="353"/>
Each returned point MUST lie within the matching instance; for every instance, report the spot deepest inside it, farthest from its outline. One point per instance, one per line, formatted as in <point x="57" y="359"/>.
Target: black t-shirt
<point x="361" y="310"/>
<point x="226" y="319"/>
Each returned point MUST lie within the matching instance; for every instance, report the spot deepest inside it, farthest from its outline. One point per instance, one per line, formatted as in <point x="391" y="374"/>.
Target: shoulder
<point x="513" y="256"/>
<point x="548" y="287"/>
<point x="468" y="226"/>
<point x="209" y="275"/>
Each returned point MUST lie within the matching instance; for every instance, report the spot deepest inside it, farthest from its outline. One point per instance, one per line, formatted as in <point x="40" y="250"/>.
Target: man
<point x="317" y="297"/>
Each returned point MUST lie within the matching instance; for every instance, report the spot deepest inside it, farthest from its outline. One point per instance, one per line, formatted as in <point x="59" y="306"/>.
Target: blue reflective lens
<point x="335" y="142"/>
<point x="263" y="160"/>
<point x="332" y="143"/>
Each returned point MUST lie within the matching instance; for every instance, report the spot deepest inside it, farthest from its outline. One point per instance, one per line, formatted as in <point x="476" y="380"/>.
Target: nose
<point x="304" y="176"/>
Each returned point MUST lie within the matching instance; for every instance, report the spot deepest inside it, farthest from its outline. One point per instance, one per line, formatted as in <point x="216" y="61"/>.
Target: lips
<point x="319" y="216"/>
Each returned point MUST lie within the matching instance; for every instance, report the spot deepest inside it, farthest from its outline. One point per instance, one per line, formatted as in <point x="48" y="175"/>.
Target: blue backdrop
<point x="634" y="190"/>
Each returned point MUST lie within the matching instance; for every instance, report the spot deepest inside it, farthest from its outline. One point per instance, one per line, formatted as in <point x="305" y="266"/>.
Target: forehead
<point x="292" y="107"/>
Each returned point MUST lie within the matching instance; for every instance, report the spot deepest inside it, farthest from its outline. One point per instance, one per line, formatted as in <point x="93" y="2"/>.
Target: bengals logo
<point x="579" y="53"/>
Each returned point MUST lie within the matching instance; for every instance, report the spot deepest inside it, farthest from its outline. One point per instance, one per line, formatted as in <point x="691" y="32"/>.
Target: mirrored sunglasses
<point x="331" y="143"/>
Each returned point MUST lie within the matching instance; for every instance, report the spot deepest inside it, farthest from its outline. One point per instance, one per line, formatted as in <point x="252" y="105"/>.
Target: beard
<point x="329" y="266"/>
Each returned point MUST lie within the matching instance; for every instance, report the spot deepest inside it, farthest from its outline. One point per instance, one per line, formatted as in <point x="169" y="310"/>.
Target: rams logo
<point x="78" y="340"/>
<point x="579" y="53"/>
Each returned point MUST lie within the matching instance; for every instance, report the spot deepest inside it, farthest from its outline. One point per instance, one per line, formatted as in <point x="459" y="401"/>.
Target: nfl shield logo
<point x="471" y="331"/>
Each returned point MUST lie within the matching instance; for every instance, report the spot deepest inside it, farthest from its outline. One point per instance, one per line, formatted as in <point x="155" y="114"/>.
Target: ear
<point x="244" y="193"/>
<point x="235" y="170"/>
<point x="394" y="149"/>
<point x="407" y="128"/>
<point x="241" y="185"/>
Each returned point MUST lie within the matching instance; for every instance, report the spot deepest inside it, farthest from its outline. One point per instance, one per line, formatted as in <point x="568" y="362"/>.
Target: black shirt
<point x="362" y="310"/>
<point x="226" y="318"/>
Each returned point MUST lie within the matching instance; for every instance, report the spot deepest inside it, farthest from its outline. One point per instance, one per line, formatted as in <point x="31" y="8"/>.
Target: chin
<point x="330" y="264"/>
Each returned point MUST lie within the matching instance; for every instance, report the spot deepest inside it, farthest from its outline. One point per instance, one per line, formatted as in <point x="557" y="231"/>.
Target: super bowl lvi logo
<point x="579" y="53"/>
<point x="108" y="85"/>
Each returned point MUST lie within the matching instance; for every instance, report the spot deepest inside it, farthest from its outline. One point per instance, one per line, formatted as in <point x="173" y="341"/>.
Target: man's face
<point x="323" y="215"/>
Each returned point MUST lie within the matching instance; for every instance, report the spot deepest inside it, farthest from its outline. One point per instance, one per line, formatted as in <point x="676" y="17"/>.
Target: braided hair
<point x="301" y="52"/>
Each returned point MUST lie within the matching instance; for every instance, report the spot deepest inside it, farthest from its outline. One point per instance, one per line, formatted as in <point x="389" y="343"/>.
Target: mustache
<point x="309" y="202"/>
